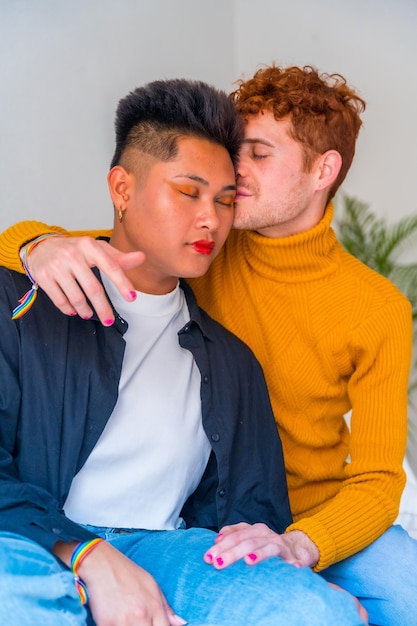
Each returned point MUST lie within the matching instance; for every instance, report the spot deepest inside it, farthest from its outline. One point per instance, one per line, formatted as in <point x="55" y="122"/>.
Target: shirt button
<point x="222" y="493"/>
<point x="205" y="379"/>
<point x="56" y="531"/>
<point x="215" y="437"/>
<point x="186" y="328"/>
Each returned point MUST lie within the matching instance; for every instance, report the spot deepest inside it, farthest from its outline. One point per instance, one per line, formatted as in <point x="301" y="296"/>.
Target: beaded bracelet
<point x="77" y="557"/>
<point x="29" y="298"/>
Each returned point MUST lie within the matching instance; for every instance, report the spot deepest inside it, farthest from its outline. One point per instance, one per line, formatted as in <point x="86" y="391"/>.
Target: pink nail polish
<point x="252" y="556"/>
<point x="219" y="561"/>
<point x="87" y="317"/>
<point x="209" y="557"/>
<point x="73" y="313"/>
<point x="108" y="322"/>
<point x="132" y="295"/>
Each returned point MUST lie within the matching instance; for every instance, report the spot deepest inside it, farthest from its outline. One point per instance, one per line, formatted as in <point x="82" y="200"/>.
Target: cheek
<point x="225" y="224"/>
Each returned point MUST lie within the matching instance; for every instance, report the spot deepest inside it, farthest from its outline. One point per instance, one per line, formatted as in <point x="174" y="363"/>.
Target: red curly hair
<point x="324" y="111"/>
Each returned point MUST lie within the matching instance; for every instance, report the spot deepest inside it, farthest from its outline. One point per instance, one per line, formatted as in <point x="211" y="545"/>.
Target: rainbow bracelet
<point x="77" y="557"/>
<point x="29" y="298"/>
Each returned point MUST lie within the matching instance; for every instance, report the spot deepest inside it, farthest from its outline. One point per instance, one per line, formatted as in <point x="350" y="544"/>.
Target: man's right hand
<point x="62" y="267"/>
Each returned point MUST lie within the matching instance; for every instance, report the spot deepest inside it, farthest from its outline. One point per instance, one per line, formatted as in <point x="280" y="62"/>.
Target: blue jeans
<point x="384" y="578"/>
<point x="36" y="589"/>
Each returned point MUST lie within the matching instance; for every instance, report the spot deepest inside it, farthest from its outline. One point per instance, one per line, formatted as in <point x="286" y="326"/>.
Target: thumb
<point x="174" y="620"/>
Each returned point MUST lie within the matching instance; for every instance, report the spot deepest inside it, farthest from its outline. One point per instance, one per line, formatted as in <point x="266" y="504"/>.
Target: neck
<point x="302" y="256"/>
<point x="142" y="277"/>
<point x="145" y="281"/>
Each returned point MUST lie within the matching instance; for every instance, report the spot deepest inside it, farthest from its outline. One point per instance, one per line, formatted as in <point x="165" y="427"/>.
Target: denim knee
<point x="384" y="577"/>
<point x="35" y="588"/>
<point x="269" y="593"/>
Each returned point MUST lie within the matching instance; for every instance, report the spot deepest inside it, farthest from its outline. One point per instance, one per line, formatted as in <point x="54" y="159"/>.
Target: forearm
<point x="12" y="239"/>
<point x="368" y="500"/>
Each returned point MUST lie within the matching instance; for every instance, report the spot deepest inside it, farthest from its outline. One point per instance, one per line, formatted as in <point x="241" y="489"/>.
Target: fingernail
<point x="209" y="557"/>
<point x="108" y="322"/>
<point x="219" y="561"/>
<point x="180" y="620"/>
<point x="73" y="313"/>
<point x="252" y="556"/>
<point x="132" y="295"/>
<point x="87" y="317"/>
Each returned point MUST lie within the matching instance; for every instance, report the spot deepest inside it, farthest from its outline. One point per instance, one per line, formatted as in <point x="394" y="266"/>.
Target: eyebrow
<point x="253" y="140"/>
<point x="205" y="182"/>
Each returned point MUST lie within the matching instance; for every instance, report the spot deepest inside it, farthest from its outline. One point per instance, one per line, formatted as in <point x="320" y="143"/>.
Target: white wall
<point x="64" y="64"/>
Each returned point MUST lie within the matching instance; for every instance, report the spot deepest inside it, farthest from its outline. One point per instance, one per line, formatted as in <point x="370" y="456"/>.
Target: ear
<point x="328" y="168"/>
<point x="120" y="183"/>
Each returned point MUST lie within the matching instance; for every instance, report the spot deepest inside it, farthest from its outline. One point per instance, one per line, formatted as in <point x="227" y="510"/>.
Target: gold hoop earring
<point x="120" y="215"/>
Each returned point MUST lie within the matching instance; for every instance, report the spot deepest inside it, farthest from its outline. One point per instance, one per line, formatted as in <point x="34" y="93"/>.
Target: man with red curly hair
<point x="332" y="336"/>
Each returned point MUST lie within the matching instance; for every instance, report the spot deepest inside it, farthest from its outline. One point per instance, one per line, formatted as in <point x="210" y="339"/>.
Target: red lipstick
<point x="203" y="247"/>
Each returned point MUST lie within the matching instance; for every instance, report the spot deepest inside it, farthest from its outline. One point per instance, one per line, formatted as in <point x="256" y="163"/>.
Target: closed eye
<point x="227" y="201"/>
<point x="191" y="192"/>
<point x="190" y="195"/>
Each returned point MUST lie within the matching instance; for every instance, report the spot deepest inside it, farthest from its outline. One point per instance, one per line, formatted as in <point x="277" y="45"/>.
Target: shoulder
<point x="11" y="284"/>
<point x="227" y="345"/>
<point x="367" y="284"/>
<point x="42" y="315"/>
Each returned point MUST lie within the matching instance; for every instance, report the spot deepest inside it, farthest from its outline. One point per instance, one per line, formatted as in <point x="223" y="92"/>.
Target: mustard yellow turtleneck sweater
<point x="332" y="336"/>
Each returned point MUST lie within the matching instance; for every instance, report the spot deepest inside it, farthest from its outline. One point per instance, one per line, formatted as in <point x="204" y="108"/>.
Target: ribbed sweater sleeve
<point x="369" y="496"/>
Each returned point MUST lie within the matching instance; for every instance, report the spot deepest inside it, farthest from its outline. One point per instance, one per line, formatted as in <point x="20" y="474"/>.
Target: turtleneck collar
<point x="297" y="258"/>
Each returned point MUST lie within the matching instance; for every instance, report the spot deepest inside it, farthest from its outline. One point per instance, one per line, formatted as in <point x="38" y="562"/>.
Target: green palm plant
<point x="380" y="245"/>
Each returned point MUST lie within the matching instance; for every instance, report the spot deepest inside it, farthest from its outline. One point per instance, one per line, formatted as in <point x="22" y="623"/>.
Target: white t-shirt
<point x="153" y="451"/>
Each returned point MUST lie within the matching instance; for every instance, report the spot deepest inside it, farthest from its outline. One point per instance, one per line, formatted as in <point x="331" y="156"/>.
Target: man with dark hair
<point x="330" y="334"/>
<point x="124" y="449"/>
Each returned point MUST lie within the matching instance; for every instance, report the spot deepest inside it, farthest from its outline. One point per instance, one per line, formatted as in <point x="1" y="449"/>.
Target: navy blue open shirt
<point x="59" y="380"/>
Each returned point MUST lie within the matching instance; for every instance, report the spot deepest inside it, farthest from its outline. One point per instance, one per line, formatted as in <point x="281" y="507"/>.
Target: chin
<point x="242" y="224"/>
<point x="196" y="272"/>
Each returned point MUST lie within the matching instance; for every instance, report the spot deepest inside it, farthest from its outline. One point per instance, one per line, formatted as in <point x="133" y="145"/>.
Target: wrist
<point x="307" y="550"/>
<point x="26" y="302"/>
<point x="81" y="551"/>
<point x="29" y="246"/>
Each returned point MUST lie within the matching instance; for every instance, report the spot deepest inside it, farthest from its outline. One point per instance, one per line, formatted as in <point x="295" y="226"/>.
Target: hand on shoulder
<point x="62" y="268"/>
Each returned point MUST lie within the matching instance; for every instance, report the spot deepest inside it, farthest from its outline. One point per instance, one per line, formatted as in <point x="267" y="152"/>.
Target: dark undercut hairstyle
<point x="152" y="118"/>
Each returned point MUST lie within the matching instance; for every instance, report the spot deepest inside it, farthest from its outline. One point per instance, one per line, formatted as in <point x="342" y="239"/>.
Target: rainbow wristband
<point x="77" y="557"/>
<point x="29" y="298"/>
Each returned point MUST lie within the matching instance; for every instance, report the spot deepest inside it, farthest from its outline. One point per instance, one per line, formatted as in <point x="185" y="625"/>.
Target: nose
<point x="242" y="166"/>
<point x="208" y="217"/>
